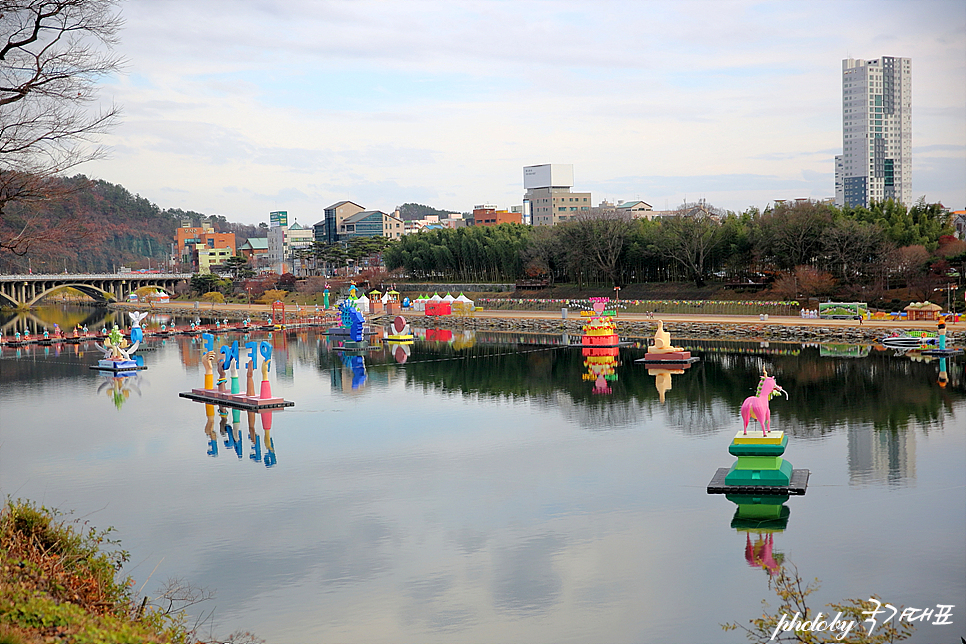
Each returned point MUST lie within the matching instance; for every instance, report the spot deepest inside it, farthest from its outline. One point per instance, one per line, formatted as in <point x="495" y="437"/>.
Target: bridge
<point x="27" y="290"/>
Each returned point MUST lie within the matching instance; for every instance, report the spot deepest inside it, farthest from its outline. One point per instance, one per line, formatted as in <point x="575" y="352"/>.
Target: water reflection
<point x="760" y="518"/>
<point x="231" y="437"/>
<point x="883" y="456"/>
<point x="600" y="363"/>
<point x="119" y="386"/>
<point x="524" y="519"/>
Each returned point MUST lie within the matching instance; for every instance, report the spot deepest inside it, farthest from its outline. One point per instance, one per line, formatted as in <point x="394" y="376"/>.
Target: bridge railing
<point x="95" y="276"/>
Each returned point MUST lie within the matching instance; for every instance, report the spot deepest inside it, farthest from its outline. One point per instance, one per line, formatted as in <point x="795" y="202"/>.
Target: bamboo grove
<point x="853" y="246"/>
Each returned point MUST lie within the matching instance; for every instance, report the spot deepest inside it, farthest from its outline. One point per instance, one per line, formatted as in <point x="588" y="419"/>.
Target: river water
<point x="493" y="488"/>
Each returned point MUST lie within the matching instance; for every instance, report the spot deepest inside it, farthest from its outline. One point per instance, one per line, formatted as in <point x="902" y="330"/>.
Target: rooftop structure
<point x="548" y="199"/>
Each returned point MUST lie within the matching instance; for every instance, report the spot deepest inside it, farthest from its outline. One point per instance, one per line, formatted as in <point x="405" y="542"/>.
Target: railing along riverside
<point x="693" y="307"/>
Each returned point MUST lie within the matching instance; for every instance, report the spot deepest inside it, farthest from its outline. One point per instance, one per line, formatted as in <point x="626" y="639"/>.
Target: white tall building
<point x="548" y="200"/>
<point x="283" y="241"/>
<point x="876" y="159"/>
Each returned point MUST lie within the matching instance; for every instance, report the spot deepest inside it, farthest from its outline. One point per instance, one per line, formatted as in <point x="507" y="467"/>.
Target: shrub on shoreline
<point x="60" y="581"/>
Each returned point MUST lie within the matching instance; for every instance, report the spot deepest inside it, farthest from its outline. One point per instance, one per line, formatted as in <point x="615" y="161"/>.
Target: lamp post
<point x="949" y="288"/>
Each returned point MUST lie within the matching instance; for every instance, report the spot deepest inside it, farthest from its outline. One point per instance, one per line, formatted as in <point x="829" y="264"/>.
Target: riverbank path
<point x="188" y="308"/>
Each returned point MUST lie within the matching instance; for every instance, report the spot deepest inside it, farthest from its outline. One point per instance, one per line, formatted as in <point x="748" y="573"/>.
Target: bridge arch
<point x="90" y="290"/>
<point x="27" y="290"/>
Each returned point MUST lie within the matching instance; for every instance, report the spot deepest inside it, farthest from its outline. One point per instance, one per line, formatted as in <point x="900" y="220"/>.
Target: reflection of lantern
<point x="600" y="363"/>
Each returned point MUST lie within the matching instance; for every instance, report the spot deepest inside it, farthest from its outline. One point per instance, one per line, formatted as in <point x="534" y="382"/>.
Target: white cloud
<point x="385" y="103"/>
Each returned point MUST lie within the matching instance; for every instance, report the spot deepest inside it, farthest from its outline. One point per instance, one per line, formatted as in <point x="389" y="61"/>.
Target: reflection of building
<point x="881" y="455"/>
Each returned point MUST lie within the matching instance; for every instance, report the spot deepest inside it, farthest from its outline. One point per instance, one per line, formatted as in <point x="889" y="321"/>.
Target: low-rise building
<point x="371" y="223"/>
<point x="636" y="209"/>
<point x="254" y="248"/>
<point x="959" y="222"/>
<point x="327" y="230"/>
<point x="488" y="215"/>
<point x="190" y="240"/>
<point x="209" y="259"/>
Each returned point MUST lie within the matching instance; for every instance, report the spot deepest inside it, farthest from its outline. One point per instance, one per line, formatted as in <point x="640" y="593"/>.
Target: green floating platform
<point x="760" y="470"/>
<point x="796" y="486"/>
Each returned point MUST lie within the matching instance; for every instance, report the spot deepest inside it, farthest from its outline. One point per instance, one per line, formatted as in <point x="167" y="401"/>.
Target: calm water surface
<point x="483" y="491"/>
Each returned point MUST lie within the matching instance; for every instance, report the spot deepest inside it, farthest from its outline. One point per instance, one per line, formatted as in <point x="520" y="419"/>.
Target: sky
<point x="243" y="107"/>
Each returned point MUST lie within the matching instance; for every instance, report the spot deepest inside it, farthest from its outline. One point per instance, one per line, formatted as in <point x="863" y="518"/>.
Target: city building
<point x="327" y="230"/>
<point x="371" y="223"/>
<point x="284" y="240"/>
<point x="455" y="220"/>
<point x="876" y="159"/>
<point x="636" y="209"/>
<point x="190" y="240"/>
<point x="488" y="215"/>
<point x="433" y="222"/>
<point x="959" y="222"/>
<point x="548" y="199"/>
<point x="255" y="250"/>
<point x="209" y="259"/>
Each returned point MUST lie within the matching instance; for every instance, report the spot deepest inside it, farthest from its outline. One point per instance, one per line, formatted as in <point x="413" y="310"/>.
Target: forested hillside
<point x="96" y="226"/>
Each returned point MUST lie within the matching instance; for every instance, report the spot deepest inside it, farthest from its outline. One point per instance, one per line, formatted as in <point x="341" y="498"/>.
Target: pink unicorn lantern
<point x="757" y="406"/>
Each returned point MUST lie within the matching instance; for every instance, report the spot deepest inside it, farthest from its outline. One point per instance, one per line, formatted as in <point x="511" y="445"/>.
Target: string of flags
<point x="696" y="303"/>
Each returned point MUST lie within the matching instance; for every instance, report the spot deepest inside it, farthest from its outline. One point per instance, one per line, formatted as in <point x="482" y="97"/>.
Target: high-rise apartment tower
<point x="876" y="159"/>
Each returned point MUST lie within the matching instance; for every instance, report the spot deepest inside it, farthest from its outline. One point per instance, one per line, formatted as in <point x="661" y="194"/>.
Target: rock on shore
<point x="693" y="330"/>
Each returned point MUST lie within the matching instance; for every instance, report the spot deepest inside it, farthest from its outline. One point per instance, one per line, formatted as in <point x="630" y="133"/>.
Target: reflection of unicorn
<point x="761" y="553"/>
<point x="757" y="406"/>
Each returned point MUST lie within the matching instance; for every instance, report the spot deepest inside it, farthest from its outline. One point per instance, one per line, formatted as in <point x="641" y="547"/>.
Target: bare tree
<point x="791" y="234"/>
<point x="855" y="249"/>
<point x="599" y="236"/>
<point x="52" y="54"/>
<point x="689" y="238"/>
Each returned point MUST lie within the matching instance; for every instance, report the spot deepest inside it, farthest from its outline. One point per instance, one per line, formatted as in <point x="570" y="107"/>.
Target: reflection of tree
<point x="887" y="392"/>
<point x="824" y="393"/>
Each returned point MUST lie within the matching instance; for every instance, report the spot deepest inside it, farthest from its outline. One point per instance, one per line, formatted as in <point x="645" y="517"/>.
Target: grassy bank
<point x="61" y="582"/>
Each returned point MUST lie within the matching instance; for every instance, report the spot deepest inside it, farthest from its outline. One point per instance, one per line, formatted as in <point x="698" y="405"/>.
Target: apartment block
<point x="876" y="159"/>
